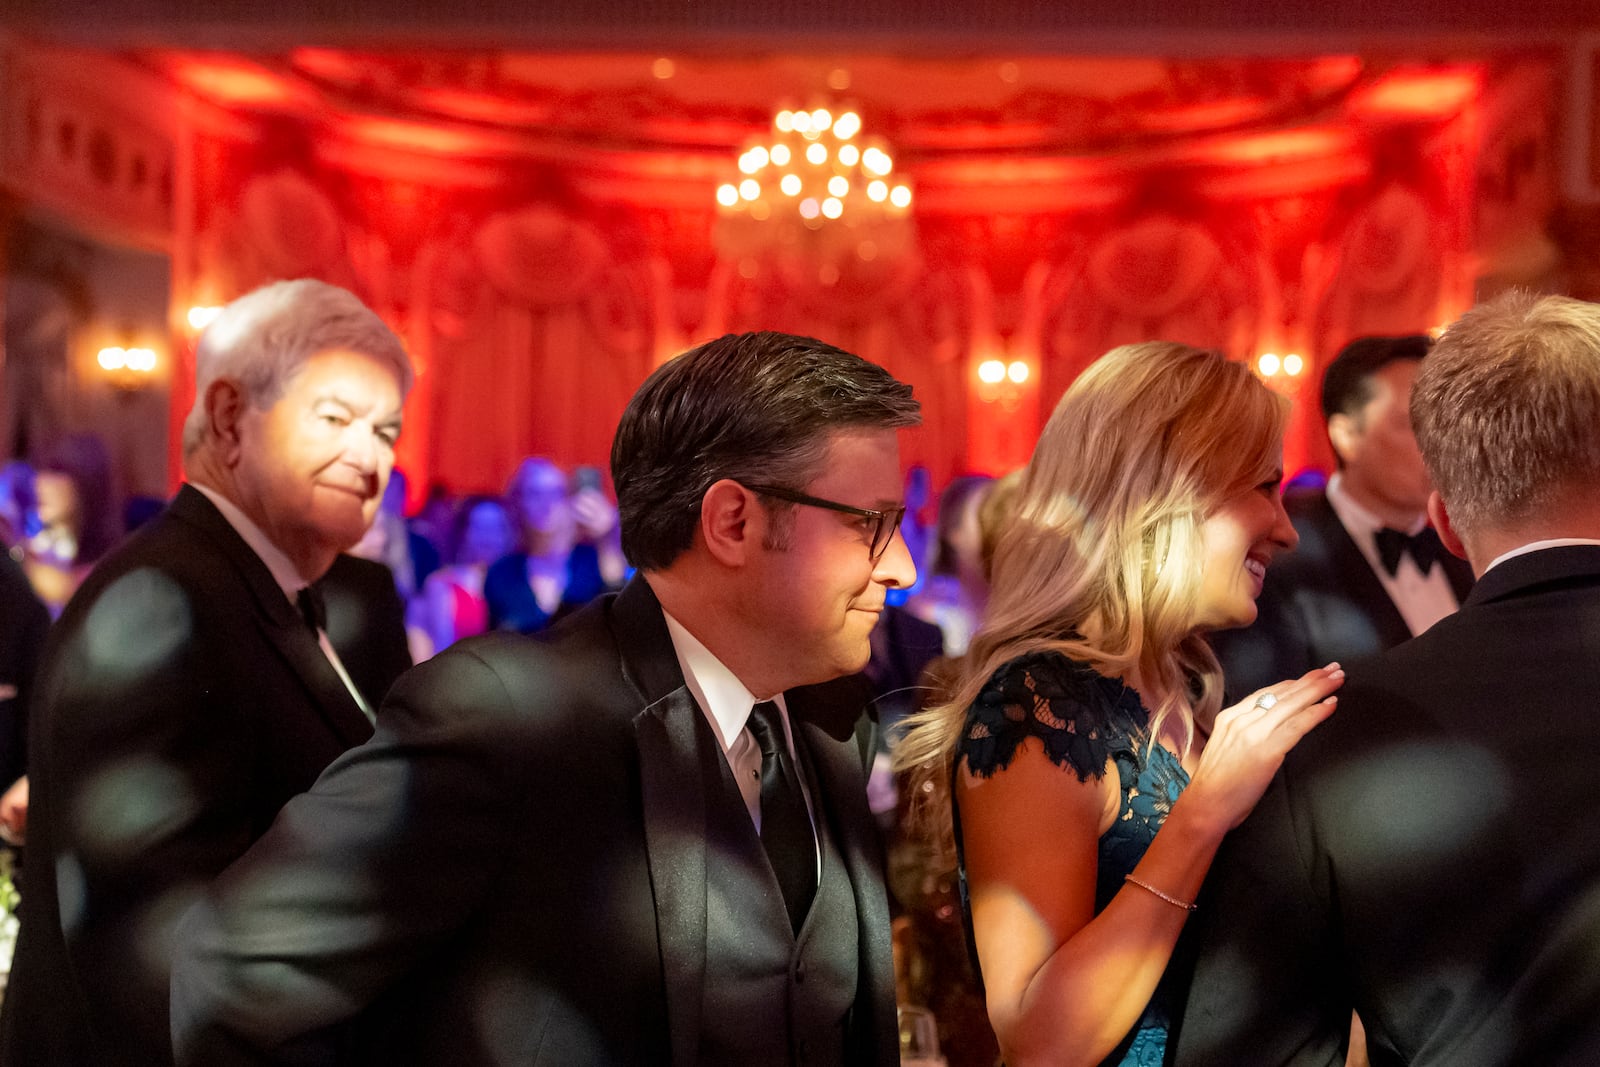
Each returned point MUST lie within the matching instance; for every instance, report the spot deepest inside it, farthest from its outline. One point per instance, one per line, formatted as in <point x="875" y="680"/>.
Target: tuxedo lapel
<point x="278" y="620"/>
<point x="672" y="790"/>
<point x="1357" y="582"/>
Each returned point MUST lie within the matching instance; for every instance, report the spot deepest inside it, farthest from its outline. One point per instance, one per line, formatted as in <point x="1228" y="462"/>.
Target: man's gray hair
<point x="262" y="338"/>
<point x="1507" y="409"/>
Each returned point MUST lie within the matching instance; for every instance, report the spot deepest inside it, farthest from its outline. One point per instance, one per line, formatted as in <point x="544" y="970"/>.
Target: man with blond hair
<point x="191" y="686"/>
<point x="1429" y="857"/>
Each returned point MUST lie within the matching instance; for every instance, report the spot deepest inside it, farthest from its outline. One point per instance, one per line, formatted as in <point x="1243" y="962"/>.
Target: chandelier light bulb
<point x="1268" y="364"/>
<point x="1017" y="371"/>
<point x="1293" y="365"/>
<point x="837" y="176"/>
<point x="991" y="372"/>
<point x="877" y="161"/>
<point x="113" y="358"/>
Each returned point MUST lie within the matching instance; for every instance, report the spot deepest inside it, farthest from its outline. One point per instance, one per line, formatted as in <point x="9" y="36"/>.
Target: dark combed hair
<point x="755" y="407"/>
<point x="1347" y="383"/>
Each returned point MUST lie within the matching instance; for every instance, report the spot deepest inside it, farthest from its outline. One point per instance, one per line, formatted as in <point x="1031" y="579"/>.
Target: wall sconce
<point x="994" y="371"/>
<point x="128" y="368"/>
<point x="1270" y="365"/>
<point x="1004" y="382"/>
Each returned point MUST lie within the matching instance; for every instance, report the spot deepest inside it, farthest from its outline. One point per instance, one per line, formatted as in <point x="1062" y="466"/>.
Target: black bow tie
<point x="1424" y="547"/>
<point x="312" y="608"/>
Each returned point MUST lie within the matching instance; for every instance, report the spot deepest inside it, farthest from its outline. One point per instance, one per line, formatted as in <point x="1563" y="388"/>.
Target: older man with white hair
<point x="191" y="687"/>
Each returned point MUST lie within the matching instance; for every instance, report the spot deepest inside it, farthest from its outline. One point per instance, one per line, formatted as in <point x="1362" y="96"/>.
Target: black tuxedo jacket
<point x="513" y="871"/>
<point x="182" y="700"/>
<point x="1319" y="604"/>
<point x="366" y="624"/>
<point x="1428" y="856"/>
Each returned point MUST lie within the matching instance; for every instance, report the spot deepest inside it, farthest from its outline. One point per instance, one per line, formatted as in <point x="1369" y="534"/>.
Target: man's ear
<point x="224" y="407"/>
<point x="1439" y="515"/>
<point x="1344" y="432"/>
<point x="731" y="522"/>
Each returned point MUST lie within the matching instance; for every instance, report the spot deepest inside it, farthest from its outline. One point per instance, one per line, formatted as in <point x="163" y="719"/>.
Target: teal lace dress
<point x="1086" y="722"/>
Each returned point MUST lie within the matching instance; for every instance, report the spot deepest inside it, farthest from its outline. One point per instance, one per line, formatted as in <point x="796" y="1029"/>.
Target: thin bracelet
<point x="1148" y="888"/>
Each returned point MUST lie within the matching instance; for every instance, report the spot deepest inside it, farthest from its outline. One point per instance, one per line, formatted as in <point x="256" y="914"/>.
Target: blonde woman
<point x="1089" y="770"/>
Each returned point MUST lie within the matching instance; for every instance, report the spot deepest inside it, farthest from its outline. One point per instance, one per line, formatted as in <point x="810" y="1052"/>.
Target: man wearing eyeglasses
<point x="640" y="837"/>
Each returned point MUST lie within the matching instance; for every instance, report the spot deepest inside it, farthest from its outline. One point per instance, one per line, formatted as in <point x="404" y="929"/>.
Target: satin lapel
<point x="299" y="648"/>
<point x="277" y="619"/>
<point x="1357" y="581"/>
<point x="672" y="789"/>
<point x="837" y="765"/>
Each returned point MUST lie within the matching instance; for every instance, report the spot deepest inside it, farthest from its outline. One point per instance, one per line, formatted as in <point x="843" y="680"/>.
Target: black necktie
<point x="312" y="608"/>
<point x="1423" y="546"/>
<point x="785" y="826"/>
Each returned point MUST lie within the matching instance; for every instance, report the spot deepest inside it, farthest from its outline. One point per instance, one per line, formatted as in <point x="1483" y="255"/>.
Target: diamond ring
<point x="1265" y="701"/>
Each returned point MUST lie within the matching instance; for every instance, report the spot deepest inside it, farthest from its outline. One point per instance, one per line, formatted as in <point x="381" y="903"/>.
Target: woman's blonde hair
<point x="1101" y="557"/>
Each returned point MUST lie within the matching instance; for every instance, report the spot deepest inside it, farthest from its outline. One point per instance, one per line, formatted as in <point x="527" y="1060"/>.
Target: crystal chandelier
<point x="816" y="189"/>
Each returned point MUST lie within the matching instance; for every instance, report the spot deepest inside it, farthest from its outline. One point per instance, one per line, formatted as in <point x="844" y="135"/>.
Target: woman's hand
<point x="1250" y="739"/>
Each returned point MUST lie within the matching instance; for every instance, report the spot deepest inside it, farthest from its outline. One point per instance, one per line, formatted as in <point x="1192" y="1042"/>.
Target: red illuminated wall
<point x="538" y="280"/>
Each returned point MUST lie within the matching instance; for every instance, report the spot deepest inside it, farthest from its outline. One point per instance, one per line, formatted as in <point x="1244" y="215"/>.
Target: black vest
<point x="772" y="998"/>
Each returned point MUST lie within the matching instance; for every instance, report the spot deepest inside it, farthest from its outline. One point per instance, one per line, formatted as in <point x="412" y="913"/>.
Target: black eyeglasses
<point x="886" y="521"/>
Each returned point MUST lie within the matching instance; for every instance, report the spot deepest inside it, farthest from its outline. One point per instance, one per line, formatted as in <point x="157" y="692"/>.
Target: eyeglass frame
<point x="875" y="551"/>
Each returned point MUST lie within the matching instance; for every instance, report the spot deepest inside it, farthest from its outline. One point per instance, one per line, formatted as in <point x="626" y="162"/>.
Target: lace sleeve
<point x="1062" y="703"/>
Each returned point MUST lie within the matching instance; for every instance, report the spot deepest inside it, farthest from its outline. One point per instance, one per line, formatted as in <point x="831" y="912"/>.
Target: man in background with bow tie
<point x="191" y="687"/>
<point x="1369" y="571"/>
<point x="640" y="836"/>
<point x="1429" y="856"/>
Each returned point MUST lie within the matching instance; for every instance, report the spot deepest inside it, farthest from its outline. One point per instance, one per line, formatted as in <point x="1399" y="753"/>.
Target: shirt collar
<point x="718" y="690"/>
<point x="1538" y="546"/>
<point x="284" y="572"/>
<point x="1357" y="519"/>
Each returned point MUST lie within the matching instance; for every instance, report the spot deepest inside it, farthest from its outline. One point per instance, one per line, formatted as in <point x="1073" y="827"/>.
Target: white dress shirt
<point x="1422" y="599"/>
<point x="1538" y="546"/>
<point x="726" y="704"/>
<point x="288" y="577"/>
